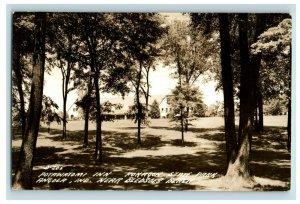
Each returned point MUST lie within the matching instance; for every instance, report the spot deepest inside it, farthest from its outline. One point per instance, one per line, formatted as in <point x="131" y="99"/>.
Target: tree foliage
<point x="187" y="53"/>
<point x="275" y="46"/>
<point x="154" y="110"/>
<point x="49" y="112"/>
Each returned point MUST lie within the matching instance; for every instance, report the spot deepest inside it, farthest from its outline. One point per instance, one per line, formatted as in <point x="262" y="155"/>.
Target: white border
<point x="119" y="5"/>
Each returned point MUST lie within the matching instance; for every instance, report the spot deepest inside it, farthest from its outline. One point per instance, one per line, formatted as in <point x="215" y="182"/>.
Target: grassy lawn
<point x="162" y="152"/>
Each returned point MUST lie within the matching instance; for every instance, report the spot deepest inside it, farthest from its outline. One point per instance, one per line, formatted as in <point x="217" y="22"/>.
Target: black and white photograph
<point x="151" y="101"/>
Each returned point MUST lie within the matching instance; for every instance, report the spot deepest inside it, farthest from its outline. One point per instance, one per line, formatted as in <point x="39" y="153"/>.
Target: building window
<point x="162" y="109"/>
<point x="166" y="109"/>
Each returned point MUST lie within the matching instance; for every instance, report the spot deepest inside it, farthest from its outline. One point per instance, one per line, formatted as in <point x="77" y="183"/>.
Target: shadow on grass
<point x="178" y="142"/>
<point x="121" y="166"/>
<point x="190" y="129"/>
<point x="269" y="157"/>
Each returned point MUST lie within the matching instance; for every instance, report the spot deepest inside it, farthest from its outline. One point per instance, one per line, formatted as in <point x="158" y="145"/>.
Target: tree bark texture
<point x="255" y="66"/>
<point x="139" y="105"/>
<point x="65" y="85"/>
<point x="87" y="115"/>
<point x="227" y="82"/>
<point x="187" y="119"/>
<point x="240" y="167"/>
<point x="23" y="176"/>
<point x="91" y="43"/>
<point x="98" y="119"/>
<point x="289" y="126"/>
<point x="147" y="92"/>
<point x="19" y="81"/>
<point x="182" y="125"/>
<point x="290" y="102"/>
<point x="260" y="111"/>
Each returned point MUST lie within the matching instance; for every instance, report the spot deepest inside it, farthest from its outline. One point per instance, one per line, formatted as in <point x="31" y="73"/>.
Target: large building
<point x="75" y="112"/>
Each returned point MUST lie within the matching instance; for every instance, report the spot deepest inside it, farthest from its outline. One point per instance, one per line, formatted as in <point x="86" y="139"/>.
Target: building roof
<point x="126" y="102"/>
<point x="129" y="101"/>
<point x="165" y="96"/>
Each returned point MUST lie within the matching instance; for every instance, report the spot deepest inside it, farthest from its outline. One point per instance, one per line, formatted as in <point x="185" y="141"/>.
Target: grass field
<point x="161" y="151"/>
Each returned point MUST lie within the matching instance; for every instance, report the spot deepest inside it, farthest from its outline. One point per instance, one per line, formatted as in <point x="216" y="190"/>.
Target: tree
<point x="199" y="109"/>
<point x="274" y="108"/>
<point x="142" y="49"/>
<point x="95" y="33"/>
<point x="146" y="72"/>
<point x="107" y="108"/>
<point x="154" y="110"/>
<point x="49" y="114"/>
<point x="240" y="167"/>
<point x="227" y="82"/>
<point x="184" y="98"/>
<point x="275" y="47"/>
<point x="255" y="64"/>
<point x="22" y="48"/>
<point x="188" y="53"/>
<point x="23" y="176"/>
<point x="66" y="45"/>
<point x="105" y="53"/>
<point x="85" y="103"/>
<point x="245" y="79"/>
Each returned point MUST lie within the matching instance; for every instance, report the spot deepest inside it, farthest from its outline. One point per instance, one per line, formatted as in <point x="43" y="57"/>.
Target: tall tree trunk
<point x="240" y="167"/>
<point x="65" y="86"/>
<point x="98" y="152"/>
<point x="64" y="132"/>
<point x="187" y="119"/>
<point x="91" y="42"/>
<point x="181" y="106"/>
<point x="23" y="176"/>
<point x="256" y="64"/>
<point x="182" y="125"/>
<point x="139" y="105"/>
<point x="87" y="114"/>
<point x="64" y="105"/>
<point x="19" y="78"/>
<point x="289" y="126"/>
<point x="289" y="103"/>
<point x="260" y="111"/>
<point x="256" y="116"/>
<point x="139" y="141"/>
<point x="66" y="78"/>
<point x="86" y="127"/>
<point x="147" y="92"/>
<point x="227" y="82"/>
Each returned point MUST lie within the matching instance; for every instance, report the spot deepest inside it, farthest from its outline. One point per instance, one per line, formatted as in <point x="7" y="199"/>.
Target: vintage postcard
<point x="151" y="101"/>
